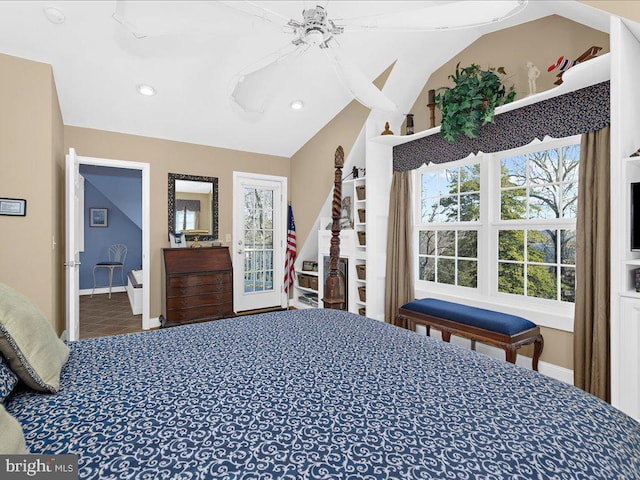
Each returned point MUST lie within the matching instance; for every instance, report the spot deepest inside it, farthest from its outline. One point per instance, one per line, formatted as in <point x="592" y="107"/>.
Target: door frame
<point x="237" y="213"/>
<point x="147" y="322"/>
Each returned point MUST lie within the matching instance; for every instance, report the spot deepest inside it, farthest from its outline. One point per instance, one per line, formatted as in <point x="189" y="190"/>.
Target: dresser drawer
<point x="175" y="303"/>
<point x="198" y="290"/>
<point x="181" y="281"/>
<point x="206" y="312"/>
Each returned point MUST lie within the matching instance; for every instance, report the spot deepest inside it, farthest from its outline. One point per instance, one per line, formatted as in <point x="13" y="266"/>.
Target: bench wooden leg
<point x="511" y="354"/>
<point x="538" y="345"/>
<point x="446" y="336"/>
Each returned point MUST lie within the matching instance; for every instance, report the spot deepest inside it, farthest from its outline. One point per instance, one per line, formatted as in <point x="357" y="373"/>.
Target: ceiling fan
<point x="317" y="30"/>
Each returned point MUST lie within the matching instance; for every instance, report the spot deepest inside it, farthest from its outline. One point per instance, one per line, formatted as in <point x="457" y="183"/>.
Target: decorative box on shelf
<point x="308" y="281"/>
<point x="361" y="192"/>
<point x="361" y="270"/>
<point x="362" y="311"/>
<point x="362" y="215"/>
<point x="362" y="238"/>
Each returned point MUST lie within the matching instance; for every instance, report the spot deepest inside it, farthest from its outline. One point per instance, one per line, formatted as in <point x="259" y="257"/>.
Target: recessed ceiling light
<point x="296" y="105"/>
<point x="54" y="15"/>
<point x="146" y="90"/>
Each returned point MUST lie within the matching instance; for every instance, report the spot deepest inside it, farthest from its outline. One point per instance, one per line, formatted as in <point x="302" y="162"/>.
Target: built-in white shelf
<point x="308" y="290"/>
<point x="307" y="272"/>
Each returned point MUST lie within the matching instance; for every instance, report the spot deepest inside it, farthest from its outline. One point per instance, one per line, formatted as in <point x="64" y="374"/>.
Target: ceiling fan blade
<point x="356" y="82"/>
<point x="252" y="89"/>
<point x="120" y="16"/>
<point x="444" y="15"/>
<point x="255" y="10"/>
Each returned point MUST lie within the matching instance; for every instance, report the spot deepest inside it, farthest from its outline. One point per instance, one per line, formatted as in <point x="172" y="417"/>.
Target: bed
<point x="315" y="394"/>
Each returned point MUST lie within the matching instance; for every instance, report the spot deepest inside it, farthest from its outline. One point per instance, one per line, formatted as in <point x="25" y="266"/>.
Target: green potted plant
<point x="471" y="103"/>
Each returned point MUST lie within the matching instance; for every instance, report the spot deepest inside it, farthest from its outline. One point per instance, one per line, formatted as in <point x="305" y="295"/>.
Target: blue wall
<point x="122" y="196"/>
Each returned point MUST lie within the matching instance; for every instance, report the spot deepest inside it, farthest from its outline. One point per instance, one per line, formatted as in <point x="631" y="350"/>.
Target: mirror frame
<point x="171" y="205"/>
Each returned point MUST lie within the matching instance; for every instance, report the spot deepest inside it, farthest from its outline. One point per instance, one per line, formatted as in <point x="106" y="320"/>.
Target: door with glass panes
<point x="258" y="241"/>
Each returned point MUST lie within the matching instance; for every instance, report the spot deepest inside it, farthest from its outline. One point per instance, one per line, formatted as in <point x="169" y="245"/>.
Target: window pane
<point x="470" y="207"/>
<point x="568" y="284"/>
<point x="571" y="158"/>
<point x="447" y="271"/>
<point x="513" y="171"/>
<point x="570" y="200"/>
<point x="470" y="178"/>
<point x="468" y="273"/>
<point x="511" y="278"/>
<point x="430" y="184"/>
<point x="449" y="181"/>
<point x="511" y="245"/>
<point x="468" y="243"/>
<point x="447" y="243"/>
<point x="249" y="238"/>
<point x="427" y="242"/>
<point x="568" y="247"/>
<point x="512" y="204"/>
<point x="541" y="246"/>
<point x="430" y="210"/>
<point x="543" y="167"/>
<point x="544" y="202"/>
<point x="427" y="270"/>
<point x="449" y="208"/>
<point x="542" y="282"/>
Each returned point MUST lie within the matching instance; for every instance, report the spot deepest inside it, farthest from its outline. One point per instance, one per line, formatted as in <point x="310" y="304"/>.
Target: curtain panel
<point x="574" y="113"/>
<point x="591" y="356"/>
<point x="399" y="279"/>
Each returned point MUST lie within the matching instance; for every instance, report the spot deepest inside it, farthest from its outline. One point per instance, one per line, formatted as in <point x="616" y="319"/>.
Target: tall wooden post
<point x="332" y="298"/>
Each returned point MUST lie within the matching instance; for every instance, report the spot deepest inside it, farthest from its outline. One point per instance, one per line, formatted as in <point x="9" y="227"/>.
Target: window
<point x="538" y="196"/>
<point x="447" y="245"/>
<point x="501" y="224"/>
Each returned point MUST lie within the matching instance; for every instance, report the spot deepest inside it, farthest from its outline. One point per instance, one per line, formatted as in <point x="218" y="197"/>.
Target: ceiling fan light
<point x="146" y="90"/>
<point x="297" y="105"/>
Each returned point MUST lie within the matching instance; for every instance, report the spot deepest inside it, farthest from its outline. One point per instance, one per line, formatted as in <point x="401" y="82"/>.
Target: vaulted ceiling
<point x="193" y="52"/>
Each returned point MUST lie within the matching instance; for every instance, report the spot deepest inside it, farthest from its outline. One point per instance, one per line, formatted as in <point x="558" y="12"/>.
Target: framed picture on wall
<point x="98" y="217"/>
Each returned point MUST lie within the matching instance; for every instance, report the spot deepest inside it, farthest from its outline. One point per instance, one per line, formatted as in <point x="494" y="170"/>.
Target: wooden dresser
<point x="197" y="285"/>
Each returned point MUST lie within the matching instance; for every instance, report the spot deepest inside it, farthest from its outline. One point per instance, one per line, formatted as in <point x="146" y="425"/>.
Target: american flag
<point x="290" y="258"/>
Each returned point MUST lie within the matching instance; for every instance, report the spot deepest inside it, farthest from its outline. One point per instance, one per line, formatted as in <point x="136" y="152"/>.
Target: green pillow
<point x="28" y="342"/>
<point x="12" y="438"/>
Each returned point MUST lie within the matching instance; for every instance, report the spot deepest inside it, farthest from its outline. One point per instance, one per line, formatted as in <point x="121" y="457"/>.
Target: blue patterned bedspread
<point x="316" y="394"/>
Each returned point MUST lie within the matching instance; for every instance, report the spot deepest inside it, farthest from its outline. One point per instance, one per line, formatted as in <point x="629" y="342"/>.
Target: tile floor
<point x="101" y="316"/>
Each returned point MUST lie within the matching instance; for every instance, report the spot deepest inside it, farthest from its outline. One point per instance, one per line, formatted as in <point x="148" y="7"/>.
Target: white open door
<point x="73" y="241"/>
<point x="259" y="233"/>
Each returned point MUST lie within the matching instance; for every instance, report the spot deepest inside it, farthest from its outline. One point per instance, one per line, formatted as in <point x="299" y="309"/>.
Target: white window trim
<point x="547" y="313"/>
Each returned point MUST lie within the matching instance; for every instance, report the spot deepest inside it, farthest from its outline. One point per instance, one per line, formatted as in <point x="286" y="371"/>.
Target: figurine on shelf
<point x="386" y="130"/>
<point x="409" y="129"/>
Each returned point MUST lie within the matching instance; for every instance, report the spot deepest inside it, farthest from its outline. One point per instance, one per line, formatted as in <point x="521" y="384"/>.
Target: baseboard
<point x="549" y="369"/>
<point x="101" y="290"/>
<point x="153" y="323"/>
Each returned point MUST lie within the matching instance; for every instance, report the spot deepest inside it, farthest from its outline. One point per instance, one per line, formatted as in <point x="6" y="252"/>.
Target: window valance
<point x="573" y="113"/>
<point x="188" y="205"/>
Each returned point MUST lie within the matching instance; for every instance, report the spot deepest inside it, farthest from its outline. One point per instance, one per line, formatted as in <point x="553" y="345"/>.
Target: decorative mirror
<point x="193" y="206"/>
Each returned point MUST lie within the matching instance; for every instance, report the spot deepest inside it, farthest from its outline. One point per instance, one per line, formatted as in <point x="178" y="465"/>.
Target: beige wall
<point x="542" y="42"/>
<point x="164" y="157"/>
<point x="30" y="137"/>
<point x="623" y="8"/>
<point x="58" y="209"/>
<point x="312" y="167"/>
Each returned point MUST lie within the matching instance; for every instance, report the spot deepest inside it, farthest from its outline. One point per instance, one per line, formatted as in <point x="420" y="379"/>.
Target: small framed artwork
<point x="13" y="206"/>
<point x="309" y="266"/>
<point x="98" y="217"/>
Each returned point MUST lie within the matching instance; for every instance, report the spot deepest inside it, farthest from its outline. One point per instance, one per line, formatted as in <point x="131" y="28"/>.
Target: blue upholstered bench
<point x="508" y="332"/>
